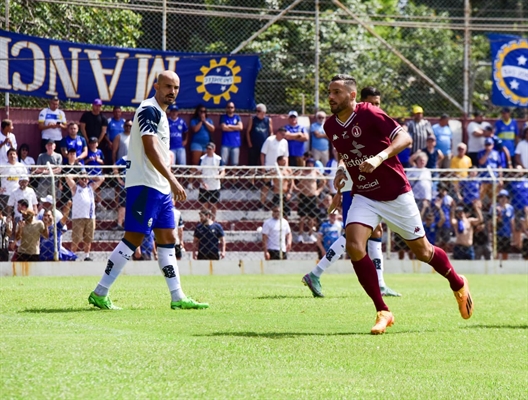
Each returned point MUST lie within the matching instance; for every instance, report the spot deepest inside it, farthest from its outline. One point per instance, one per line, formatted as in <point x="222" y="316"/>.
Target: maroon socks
<point x="368" y="277"/>
<point x="441" y="264"/>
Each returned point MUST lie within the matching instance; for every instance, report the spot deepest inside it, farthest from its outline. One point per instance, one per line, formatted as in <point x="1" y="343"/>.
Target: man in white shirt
<point x="475" y="131"/>
<point x="51" y="122"/>
<point x="521" y="150"/>
<point x="7" y="140"/>
<point x="22" y="192"/>
<point x="149" y="206"/>
<point x="276" y="236"/>
<point x="274" y="146"/>
<point x="210" y="185"/>
<point x="11" y="173"/>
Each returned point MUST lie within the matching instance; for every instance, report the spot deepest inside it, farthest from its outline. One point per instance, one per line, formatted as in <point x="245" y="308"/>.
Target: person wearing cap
<point x="10" y="175"/>
<point x="209" y="238"/>
<point x="507" y="130"/>
<point x="464" y="229"/>
<point x="51" y="122"/>
<point x="296" y="135"/>
<point x="95" y="157"/>
<point x="489" y="158"/>
<point x="7" y="140"/>
<point x="505" y="223"/>
<point x="178" y="135"/>
<point x="444" y="139"/>
<point x="73" y="141"/>
<point x="260" y="127"/>
<point x="202" y="129"/>
<point x="320" y="144"/>
<point x="213" y="172"/>
<point x="46" y="204"/>
<point x="419" y="129"/>
<point x="22" y="192"/>
<point x="231" y="125"/>
<point x="521" y="150"/>
<point x="475" y="131"/>
<point x="94" y="123"/>
<point x="434" y="155"/>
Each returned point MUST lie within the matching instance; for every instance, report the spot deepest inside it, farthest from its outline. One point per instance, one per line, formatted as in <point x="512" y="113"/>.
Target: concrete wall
<point x="300" y="267"/>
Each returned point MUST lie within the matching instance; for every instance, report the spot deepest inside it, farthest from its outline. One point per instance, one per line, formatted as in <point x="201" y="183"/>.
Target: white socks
<point x="376" y="255"/>
<point x="169" y="267"/>
<point x="117" y="261"/>
<point x="333" y="254"/>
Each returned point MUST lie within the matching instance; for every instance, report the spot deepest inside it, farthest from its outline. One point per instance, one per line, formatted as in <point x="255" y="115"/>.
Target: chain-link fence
<point x="242" y="209"/>
<point x="413" y="51"/>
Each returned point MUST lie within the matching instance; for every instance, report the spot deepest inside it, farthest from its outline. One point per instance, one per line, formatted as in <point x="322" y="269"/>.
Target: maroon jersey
<point x="367" y="132"/>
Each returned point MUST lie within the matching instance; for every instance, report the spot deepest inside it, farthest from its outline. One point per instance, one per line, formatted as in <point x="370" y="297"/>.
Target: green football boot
<point x="313" y="284"/>
<point x="387" y="291"/>
<point x="188" y="304"/>
<point x="102" y="302"/>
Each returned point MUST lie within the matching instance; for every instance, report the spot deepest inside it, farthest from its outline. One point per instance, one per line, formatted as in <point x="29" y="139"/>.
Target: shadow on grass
<point x="288" y="335"/>
<point x="282" y="296"/>
<point x="57" y="310"/>
<point x="497" y="326"/>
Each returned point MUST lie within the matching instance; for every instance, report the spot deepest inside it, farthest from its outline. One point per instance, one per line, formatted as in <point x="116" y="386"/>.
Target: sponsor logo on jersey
<point x="356" y="150"/>
<point x="369" y="185"/>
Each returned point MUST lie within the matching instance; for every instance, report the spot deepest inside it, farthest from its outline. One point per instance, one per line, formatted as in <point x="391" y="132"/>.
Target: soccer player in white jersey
<point x="336" y="250"/>
<point x="149" y="205"/>
<point x="367" y="141"/>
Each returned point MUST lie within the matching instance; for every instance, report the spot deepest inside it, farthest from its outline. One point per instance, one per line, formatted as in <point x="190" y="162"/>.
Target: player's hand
<point x="340" y="180"/>
<point x="179" y="191"/>
<point x="336" y="202"/>
<point x="370" y="165"/>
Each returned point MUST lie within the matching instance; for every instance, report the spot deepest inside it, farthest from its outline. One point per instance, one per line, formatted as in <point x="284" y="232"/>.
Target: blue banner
<point x="120" y="76"/>
<point x="509" y="70"/>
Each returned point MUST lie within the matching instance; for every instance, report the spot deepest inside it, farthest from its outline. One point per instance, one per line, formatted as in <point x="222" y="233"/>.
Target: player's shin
<point x="441" y="264"/>
<point x="117" y="261"/>
<point x="333" y="254"/>
<point x="169" y="267"/>
<point x="366" y="274"/>
<point x="376" y="255"/>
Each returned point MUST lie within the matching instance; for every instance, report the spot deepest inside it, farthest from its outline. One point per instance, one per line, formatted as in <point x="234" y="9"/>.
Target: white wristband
<point x="383" y="155"/>
<point x="341" y="168"/>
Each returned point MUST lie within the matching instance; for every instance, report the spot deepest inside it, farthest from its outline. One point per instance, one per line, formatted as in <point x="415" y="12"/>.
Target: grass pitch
<point x="263" y="337"/>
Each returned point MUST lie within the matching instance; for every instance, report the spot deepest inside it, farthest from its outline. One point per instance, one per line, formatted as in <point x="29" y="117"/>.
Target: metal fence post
<point x="54" y="212"/>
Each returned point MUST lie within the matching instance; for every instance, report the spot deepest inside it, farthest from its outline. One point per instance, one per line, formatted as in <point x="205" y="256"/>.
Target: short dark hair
<point x="117" y="108"/>
<point x="72" y="123"/>
<point x="347" y="79"/>
<point x="280" y="158"/>
<point x="369" y="91"/>
<point x="11" y="150"/>
<point x="6" y="123"/>
<point x="23" y="202"/>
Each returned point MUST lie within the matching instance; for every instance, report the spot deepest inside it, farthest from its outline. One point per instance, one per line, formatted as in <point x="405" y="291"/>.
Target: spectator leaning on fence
<point x="521" y="150"/>
<point x="288" y="186"/>
<point x="7" y="140"/>
<point x="178" y="135"/>
<point x="276" y="236"/>
<point x="231" y="125"/>
<point x="260" y="127"/>
<point x="83" y="211"/>
<point x="208" y="236"/>
<point x="121" y="142"/>
<point x="464" y="225"/>
<point x="28" y="233"/>
<point x="22" y="192"/>
<point x="51" y="122"/>
<point x="419" y="129"/>
<point x="489" y="158"/>
<point x="47" y="245"/>
<point x="320" y="144"/>
<point x="11" y="173"/>
<point x="55" y="159"/>
<point x="296" y="135"/>
<point x="213" y="172"/>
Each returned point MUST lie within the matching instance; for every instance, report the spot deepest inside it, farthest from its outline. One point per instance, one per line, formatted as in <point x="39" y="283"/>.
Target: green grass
<point x="263" y="337"/>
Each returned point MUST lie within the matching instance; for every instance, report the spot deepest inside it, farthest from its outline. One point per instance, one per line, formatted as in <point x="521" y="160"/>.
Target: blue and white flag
<point x="119" y="76"/>
<point x="509" y="70"/>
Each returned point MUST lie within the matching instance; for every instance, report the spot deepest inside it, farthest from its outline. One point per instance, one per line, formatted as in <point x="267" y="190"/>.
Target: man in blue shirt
<point x="296" y="135"/>
<point x="488" y="158"/>
<point x="231" y="125"/>
<point x="444" y="139"/>
<point x="505" y="218"/>
<point x="507" y="130"/>
<point x="207" y="235"/>
<point x="116" y="124"/>
<point x="320" y="145"/>
<point x="178" y="136"/>
<point x="74" y="141"/>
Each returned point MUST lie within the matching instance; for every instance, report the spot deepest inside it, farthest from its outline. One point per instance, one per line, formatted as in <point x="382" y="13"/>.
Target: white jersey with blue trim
<point x="149" y="119"/>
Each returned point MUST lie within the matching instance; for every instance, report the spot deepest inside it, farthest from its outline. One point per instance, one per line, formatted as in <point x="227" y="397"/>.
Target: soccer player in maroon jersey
<point x="367" y="141"/>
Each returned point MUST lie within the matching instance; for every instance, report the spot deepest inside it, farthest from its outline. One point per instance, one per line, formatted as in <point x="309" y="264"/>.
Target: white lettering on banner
<point x="146" y="79"/>
<point x="106" y="92"/>
<point x="39" y="67"/>
<point x="58" y="66"/>
<point x="510" y="71"/>
<point x="4" y="63"/>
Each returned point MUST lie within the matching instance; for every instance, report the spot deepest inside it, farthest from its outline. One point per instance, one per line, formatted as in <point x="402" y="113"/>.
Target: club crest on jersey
<point x="356" y="150"/>
<point x="356" y="131"/>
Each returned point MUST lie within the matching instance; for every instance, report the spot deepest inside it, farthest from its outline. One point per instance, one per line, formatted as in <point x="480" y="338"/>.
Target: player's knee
<point x="355" y="250"/>
<point x="377" y="233"/>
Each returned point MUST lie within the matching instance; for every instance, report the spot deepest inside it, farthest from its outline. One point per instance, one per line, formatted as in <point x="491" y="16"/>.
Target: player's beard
<point x="169" y="100"/>
<point x="337" y="108"/>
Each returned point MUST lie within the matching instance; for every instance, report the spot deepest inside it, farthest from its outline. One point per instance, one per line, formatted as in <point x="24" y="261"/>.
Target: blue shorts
<point x="198" y="147"/>
<point x="346" y="202"/>
<point x="146" y="209"/>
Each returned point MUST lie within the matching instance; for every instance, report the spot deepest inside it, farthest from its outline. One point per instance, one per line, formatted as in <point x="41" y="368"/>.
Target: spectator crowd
<point x="456" y="204"/>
